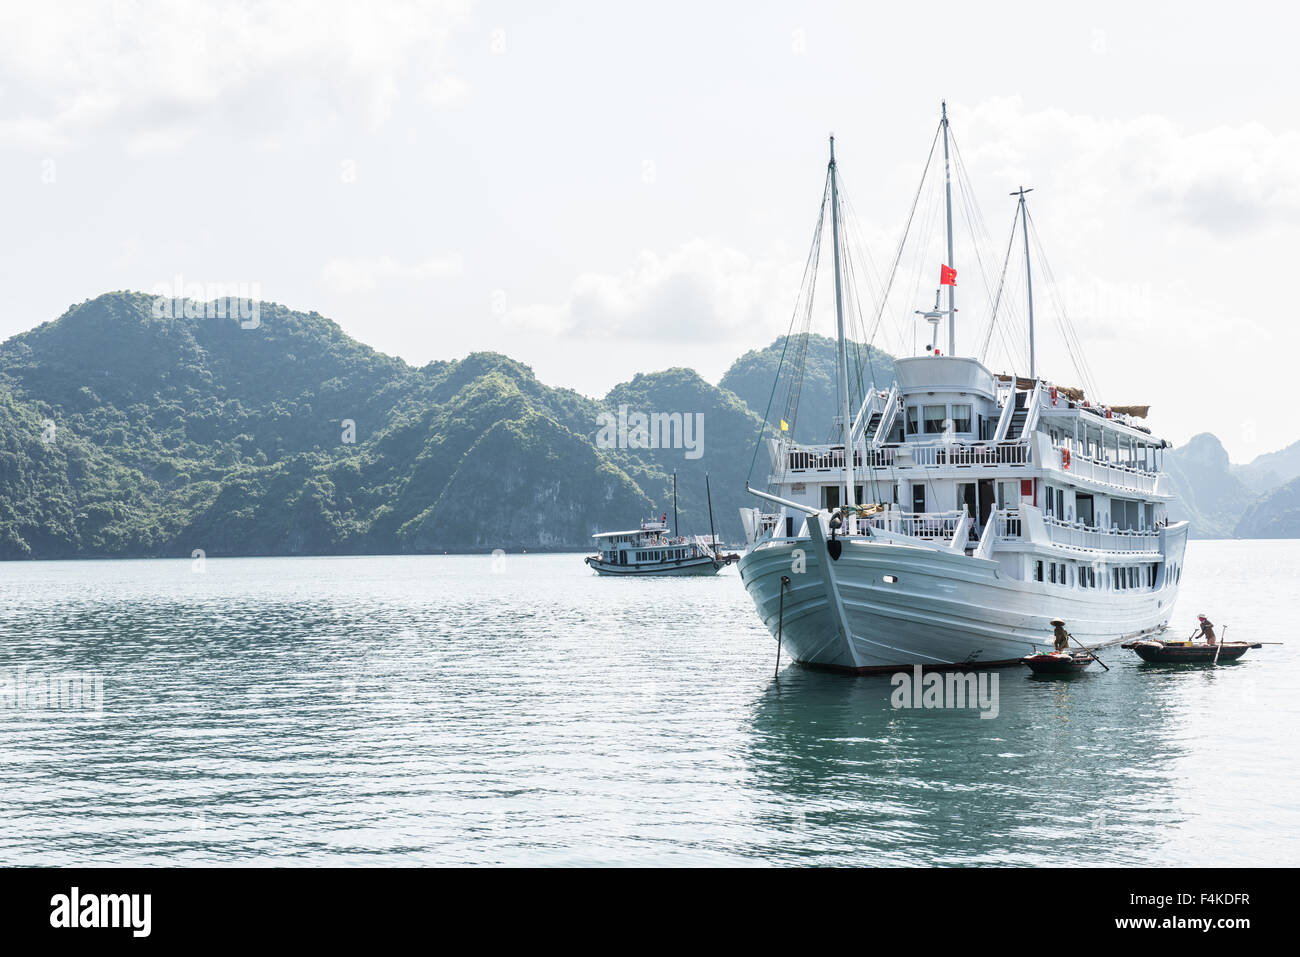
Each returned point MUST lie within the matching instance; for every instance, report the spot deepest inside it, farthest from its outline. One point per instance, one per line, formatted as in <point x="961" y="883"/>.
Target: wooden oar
<point x="1219" y="647"/>
<point x="1090" y="651"/>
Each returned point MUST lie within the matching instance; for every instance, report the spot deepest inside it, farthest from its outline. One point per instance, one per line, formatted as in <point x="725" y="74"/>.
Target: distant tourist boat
<point x="972" y="507"/>
<point x="1185" y="652"/>
<point x="651" y="550"/>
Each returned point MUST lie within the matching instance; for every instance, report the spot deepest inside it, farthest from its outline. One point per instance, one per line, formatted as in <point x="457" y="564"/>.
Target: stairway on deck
<point x="873" y="425"/>
<point x="1017" y="423"/>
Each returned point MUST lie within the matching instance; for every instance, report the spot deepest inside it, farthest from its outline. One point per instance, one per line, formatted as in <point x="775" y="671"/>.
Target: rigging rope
<point x="1069" y="333"/>
<point x="810" y="269"/>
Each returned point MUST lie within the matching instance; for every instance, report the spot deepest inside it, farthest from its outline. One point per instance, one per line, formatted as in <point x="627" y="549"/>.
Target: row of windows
<point x="1085" y="576"/>
<point x="670" y="555"/>
<point x="936" y="418"/>
<point x="1127" y="514"/>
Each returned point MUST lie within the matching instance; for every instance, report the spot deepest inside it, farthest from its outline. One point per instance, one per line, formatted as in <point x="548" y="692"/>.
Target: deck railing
<point x="980" y="453"/>
<point x="1006" y="524"/>
<point x="825" y="459"/>
<point x="1076" y="535"/>
<point x="819" y="460"/>
<point x="927" y="525"/>
<point x="1009" y="527"/>
<point x="1111" y="473"/>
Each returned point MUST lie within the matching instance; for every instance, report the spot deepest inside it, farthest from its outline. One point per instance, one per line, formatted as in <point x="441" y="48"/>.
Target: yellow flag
<point x="785" y="426"/>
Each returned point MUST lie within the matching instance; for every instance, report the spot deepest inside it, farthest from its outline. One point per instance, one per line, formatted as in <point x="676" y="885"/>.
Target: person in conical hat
<point x="1205" y="630"/>
<point x="1062" y="637"/>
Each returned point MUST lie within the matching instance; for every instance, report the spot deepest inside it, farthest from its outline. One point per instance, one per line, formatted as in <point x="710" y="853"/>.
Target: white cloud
<point x="1223" y="179"/>
<point x="349" y="276"/>
<point x="154" y="71"/>
<point x="703" y="291"/>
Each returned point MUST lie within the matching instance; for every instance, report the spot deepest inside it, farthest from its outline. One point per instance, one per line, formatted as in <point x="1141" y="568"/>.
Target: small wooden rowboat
<point x="1058" y="663"/>
<point x="1185" y="652"/>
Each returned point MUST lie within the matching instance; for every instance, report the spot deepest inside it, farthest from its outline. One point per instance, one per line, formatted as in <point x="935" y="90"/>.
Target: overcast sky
<point x="616" y="188"/>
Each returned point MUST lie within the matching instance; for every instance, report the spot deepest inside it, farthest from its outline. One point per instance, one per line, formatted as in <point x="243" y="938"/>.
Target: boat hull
<point x="942" y="609"/>
<point x="1159" y="653"/>
<point x="687" y="566"/>
<point x="1058" y="664"/>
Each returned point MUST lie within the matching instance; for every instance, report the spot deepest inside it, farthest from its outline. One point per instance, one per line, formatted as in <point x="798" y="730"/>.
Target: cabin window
<point x="961" y="418"/>
<point x="912" y="418"/>
<point x="1038" y="571"/>
<point x="1048" y="500"/>
<point x="1060" y="503"/>
<point x="1053" y="573"/>
<point x="1083" y="508"/>
<point x="935" y="416"/>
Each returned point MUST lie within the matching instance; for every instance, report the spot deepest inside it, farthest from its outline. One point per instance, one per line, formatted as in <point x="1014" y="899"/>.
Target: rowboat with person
<point x="1191" y="651"/>
<point x="1061" y="660"/>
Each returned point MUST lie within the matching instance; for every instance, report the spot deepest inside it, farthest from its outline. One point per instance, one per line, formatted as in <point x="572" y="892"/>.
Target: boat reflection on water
<point x="1066" y="772"/>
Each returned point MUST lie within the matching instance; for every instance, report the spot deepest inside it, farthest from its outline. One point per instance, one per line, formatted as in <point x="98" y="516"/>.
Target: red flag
<point x="947" y="276"/>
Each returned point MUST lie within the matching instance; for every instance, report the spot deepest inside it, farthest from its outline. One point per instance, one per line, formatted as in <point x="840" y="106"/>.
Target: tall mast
<point x="1029" y="280"/>
<point x="947" y="193"/>
<point x="839" y="328"/>
<point x="676" y="532"/>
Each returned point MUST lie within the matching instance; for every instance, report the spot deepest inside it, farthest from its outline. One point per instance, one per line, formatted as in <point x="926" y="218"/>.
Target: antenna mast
<point x="1029" y="281"/>
<point x="947" y="191"/>
<point x="839" y="326"/>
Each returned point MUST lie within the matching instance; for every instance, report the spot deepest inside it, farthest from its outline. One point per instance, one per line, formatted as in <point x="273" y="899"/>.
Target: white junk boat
<point x="650" y="550"/>
<point x="996" y="503"/>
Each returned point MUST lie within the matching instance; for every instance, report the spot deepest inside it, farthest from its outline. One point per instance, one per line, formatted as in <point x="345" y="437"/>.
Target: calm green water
<point x="449" y="710"/>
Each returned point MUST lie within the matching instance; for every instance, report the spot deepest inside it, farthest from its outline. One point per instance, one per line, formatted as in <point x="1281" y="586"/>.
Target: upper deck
<point x="950" y="416"/>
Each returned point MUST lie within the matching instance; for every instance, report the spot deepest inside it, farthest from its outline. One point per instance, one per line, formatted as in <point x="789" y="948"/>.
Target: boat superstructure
<point x="971" y="509"/>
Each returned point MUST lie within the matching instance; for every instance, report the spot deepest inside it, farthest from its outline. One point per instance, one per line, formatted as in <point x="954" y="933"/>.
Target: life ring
<point x="1053" y="395"/>
<point x="1065" y="459"/>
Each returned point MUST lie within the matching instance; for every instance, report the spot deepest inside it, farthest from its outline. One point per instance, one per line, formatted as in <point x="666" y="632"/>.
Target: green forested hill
<point x="751" y="377"/>
<point x="125" y="434"/>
